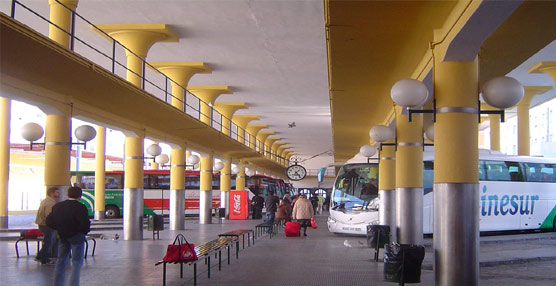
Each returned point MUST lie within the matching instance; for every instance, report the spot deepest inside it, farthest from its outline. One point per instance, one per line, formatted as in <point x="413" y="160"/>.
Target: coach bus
<point x="516" y="193"/>
<point x="156" y="185"/>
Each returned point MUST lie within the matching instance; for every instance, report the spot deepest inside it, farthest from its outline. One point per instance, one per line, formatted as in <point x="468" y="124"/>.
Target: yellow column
<point x="5" y="115"/>
<point x="494" y="131"/>
<point x="207" y="96"/>
<point x="240" y="177"/>
<point x="261" y="137"/>
<point x="61" y="16"/>
<point x="100" y="172"/>
<point x="548" y="68"/>
<point x="241" y="121"/>
<point x="523" y="142"/>
<point x="387" y="188"/>
<point x="137" y="39"/>
<point x="180" y="73"/>
<point x="456" y="188"/>
<point x="225" y="185"/>
<point x="227" y="109"/>
<point x="177" y="189"/>
<point x="253" y="130"/>
<point x="409" y="179"/>
<point x="268" y="146"/>
<point x="205" y="198"/>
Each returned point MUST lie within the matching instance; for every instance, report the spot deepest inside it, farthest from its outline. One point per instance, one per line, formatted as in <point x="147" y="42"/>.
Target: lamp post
<point x="33" y="132"/>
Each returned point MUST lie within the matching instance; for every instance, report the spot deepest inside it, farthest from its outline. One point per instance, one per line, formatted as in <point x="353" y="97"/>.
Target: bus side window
<point x="497" y="171"/>
<point x="549" y="173"/>
<point x="482" y="173"/>
<point x="514" y="168"/>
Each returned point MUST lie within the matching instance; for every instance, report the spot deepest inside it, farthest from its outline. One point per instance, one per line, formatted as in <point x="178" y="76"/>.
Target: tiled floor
<point x="318" y="259"/>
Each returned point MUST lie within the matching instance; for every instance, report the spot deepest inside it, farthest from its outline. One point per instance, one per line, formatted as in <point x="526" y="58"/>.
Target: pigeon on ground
<point x="346" y="243"/>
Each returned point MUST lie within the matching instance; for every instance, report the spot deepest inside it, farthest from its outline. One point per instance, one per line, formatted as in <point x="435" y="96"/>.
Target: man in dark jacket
<point x="71" y="219"/>
<point x="257" y="201"/>
<point x="271" y="202"/>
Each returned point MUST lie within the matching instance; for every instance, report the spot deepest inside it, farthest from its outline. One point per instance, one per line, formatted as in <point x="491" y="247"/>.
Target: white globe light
<point x="409" y="93"/>
<point x="236" y="170"/>
<point x="154" y="150"/>
<point x="193" y="159"/>
<point x="429" y="132"/>
<point x="218" y="166"/>
<point x="367" y="151"/>
<point x="85" y="133"/>
<point x="381" y="133"/>
<point x="31" y="131"/>
<point x="249" y="172"/>
<point x="503" y="92"/>
<point x="162" y="159"/>
<point x="196" y="166"/>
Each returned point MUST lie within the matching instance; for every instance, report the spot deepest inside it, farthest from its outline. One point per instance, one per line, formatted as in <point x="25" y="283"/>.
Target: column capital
<point x="243" y="120"/>
<point x="138" y="37"/>
<point x="545" y="67"/>
<point x="531" y="92"/>
<point x="181" y="72"/>
<point x="229" y="108"/>
<point x="69" y="3"/>
<point x="209" y="94"/>
<point x="253" y="129"/>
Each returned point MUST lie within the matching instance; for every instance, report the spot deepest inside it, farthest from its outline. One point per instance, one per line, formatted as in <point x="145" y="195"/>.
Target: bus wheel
<point x="112" y="212"/>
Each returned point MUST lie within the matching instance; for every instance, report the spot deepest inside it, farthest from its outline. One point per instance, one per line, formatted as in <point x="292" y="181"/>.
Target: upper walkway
<point x="321" y="258"/>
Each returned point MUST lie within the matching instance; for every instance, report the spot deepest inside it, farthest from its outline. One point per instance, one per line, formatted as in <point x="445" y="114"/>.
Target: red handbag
<point x="180" y="251"/>
<point x="30" y="233"/>
<point x="313" y="223"/>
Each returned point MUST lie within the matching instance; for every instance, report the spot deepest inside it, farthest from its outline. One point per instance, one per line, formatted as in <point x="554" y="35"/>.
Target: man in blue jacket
<point x="71" y="219"/>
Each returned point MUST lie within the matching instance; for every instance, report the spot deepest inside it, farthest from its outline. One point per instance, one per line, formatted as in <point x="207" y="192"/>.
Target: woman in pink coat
<point x="303" y="212"/>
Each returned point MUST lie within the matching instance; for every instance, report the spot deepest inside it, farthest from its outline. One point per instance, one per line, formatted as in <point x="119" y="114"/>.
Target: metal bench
<point x="40" y="238"/>
<point x="237" y="233"/>
<point x="205" y="252"/>
<point x="262" y="228"/>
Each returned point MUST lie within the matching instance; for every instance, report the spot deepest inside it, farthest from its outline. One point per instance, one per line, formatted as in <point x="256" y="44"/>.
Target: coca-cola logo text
<point x="237" y="204"/>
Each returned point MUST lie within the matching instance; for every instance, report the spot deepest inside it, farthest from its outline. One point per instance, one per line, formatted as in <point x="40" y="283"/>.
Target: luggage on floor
<point x="292" y="229"/>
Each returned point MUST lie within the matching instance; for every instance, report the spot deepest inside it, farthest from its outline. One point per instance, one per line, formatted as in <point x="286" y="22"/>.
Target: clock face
<point x="296" y="172"/>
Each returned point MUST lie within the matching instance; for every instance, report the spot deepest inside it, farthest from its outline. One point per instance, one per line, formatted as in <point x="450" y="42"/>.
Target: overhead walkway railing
<point x="153" y="81"/>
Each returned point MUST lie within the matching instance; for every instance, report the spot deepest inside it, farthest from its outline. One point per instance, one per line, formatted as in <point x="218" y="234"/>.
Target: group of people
<point x="288" y="208"/>
<point x="70" y="220"/>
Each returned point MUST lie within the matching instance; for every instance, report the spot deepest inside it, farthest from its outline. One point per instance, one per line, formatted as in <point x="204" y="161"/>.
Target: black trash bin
<point x="402" y="263"/>
<point x="378" y="235"/>
<point x="222" y="212"/>
<point x="155" y="223"/>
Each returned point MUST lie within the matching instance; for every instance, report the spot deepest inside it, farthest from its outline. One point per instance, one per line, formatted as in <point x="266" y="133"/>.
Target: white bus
<point x="516" y="193"/>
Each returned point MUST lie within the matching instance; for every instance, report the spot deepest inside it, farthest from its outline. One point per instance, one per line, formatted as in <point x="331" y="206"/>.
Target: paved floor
<point x="318" y="259"/>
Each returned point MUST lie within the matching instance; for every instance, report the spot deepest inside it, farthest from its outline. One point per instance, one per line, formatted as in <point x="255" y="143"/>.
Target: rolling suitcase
<point x="292" y="229"/>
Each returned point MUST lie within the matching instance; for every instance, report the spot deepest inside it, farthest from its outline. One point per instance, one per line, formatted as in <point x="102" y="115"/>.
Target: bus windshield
<point x="356" y="188"/>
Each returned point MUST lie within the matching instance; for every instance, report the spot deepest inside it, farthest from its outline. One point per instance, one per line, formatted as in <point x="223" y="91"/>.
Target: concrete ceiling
<point x="273" y="55"/>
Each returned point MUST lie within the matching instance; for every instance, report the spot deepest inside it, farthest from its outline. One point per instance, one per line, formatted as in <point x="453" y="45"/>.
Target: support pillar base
<point x="99" y="215"/>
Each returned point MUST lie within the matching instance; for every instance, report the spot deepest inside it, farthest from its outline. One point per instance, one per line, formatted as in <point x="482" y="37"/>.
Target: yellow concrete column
<point x="268" y="146"/>
<point x="100" y="172"/>
<point x="57" y="151"/>
<point x="61" y="16"/>
<point x="275" y="146"/>
<point x="225" y="185"/>
<point x="261" y="137"/>
<point x="387" y="187"/>
<point x="494" y="131"/>
<point x="227" y="109"/>
<point x="133" y="188"/>
<point x="180" y="73"/>
<point x="5" y="115"/>
<point x="253" y="131"/>
<point x="207" y="96"/>
<point x="177" y="188"/>
<point x="240" y="177"/>
<point x="456" y="188"/>
<point x="205" y="198"/>
<point x="138" y="39"/>
<point x="523" y="142"/>
<point x="241" y="121"/>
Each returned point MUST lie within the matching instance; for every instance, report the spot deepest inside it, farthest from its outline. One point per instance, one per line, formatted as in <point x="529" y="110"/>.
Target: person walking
<point x="320" y="200"/>
<point x="52" y="196"/>
<point x="71" y="219"/>
<point x="257" y="202"/>
<point x="283" y="212"/>
<point x="271" y="202"/>
<point x="287" y="199"/>
<point x="314" y="203"/>
<point x="303" y="212"/>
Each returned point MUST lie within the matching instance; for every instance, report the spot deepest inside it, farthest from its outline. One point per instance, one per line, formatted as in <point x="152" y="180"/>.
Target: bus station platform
<point x="321" y="258"/>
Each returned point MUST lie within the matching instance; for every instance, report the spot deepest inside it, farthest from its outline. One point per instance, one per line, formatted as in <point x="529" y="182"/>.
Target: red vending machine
<point x="239" y="205"/>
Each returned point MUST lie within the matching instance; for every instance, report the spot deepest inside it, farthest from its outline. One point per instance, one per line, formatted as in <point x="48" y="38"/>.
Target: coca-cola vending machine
<point x="239" y="205"/>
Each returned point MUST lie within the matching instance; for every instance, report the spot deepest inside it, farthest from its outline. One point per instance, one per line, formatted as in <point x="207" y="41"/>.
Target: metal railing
<point x="151" y="79"/>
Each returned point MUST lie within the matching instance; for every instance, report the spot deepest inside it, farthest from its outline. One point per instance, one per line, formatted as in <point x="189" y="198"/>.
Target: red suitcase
<point x="292" y="229"/>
